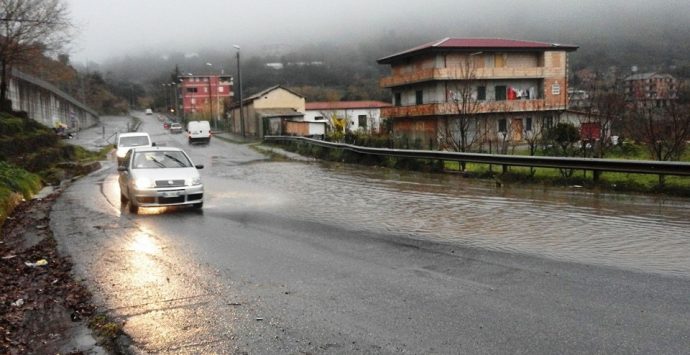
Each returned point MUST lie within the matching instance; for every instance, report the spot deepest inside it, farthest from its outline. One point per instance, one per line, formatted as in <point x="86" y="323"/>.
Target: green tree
<point x="562" y="140"/>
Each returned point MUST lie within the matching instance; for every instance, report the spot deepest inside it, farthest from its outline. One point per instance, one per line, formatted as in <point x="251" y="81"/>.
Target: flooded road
<point x="635" y="232"/>
<point x="307" y="257"/>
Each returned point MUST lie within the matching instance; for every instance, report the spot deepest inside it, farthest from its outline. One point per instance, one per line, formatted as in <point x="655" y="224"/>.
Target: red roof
<point x="345" y="105"/>
<point x="477" y="44"/>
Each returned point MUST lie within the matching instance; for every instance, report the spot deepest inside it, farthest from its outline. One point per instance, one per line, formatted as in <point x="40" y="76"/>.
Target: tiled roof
<point x="345" y="105"/>
<point x="477" y="44"/>
<point x="266" y="91"/>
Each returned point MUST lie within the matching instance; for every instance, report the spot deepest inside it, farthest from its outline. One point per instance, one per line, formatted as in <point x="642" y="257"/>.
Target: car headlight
<point x="143" y="183"/>
<point x="193" y="181"/>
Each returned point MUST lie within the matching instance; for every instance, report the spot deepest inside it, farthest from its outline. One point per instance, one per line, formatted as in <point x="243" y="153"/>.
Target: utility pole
<point x="239" y="82"/>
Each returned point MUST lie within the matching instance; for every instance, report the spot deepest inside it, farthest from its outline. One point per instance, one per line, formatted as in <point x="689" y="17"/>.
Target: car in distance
<point x="159" y="176"/>
<point x="166" y="124"/>
<point x="149" y="111"/>
<point x="198" y="132"/>
<point x="126" y="141"/>
<point x="175" y="127"/>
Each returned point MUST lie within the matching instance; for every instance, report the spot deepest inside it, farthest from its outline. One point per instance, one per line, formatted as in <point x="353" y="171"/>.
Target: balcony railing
<point x="448" y="108"/>
<point x="461" y="74"/>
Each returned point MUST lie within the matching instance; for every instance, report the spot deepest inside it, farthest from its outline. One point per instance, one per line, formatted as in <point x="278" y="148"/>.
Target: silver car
<point x="159" y="176"/>
<point x="175" y="128"/>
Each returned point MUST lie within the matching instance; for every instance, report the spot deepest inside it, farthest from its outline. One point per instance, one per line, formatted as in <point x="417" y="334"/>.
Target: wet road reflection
<point x="628" y="231"/>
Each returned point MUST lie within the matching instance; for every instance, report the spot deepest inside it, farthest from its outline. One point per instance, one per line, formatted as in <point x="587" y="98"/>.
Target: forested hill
<point x="348" y="70"/>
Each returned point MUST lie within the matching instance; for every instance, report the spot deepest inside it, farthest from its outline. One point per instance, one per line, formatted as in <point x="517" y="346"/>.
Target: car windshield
<point x="134" y="141"/>
<point x="161" y="159"/>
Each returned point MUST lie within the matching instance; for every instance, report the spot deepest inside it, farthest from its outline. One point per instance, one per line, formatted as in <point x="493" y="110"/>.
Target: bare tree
<point x="534" y="137"/>
<point x="664" y="132"/>
<point x="461" y="131"/>
<point x="28" y="29"/>
<point x="605" y="108"/>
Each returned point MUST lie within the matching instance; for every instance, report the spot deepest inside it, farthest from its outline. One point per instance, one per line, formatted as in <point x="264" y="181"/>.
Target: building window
<point x="191" y="90"/>
<point x="318" y="118"/>
<point x="221" y="89"/>
<point x="502" y="125"/>
<point x="548" y="122"/>
<point x="193" y="101"/>
<point x="528" y="124"/>
<point x="205" y="89"/>
<point x="398" y="99"/>
<point x="481" y="93"/>
<point x="500" y="93"/>
<point x="419" y="97"/>
<point x="362" y="121"/>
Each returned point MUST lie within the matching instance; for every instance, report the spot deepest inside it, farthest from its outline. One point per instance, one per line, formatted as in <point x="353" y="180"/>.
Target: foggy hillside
<point x="655" y="42"/>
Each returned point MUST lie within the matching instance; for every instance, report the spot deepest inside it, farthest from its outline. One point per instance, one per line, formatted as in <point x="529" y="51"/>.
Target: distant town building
<point x="205" y="95"/>
<point x="353" y="115"/>
<point x="578" y="99"/>
<point x="514" y="84"/>
<point x="651" y="90"/>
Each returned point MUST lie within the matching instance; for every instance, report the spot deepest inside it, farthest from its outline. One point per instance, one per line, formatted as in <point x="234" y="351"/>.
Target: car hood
<point x="165" y="174"/>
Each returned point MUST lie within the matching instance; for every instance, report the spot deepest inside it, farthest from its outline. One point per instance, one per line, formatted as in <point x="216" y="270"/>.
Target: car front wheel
<point x="133" y="207"/>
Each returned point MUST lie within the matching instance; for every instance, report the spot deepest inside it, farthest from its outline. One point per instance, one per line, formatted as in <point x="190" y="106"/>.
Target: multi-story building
<point x="651" y="90"/>
<point x="503" y="87"/>
<point x="205" y="96"/>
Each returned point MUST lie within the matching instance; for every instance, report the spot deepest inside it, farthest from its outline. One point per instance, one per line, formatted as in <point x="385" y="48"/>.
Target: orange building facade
<point x="205" y="95"/>
<point x="505" y="86"/>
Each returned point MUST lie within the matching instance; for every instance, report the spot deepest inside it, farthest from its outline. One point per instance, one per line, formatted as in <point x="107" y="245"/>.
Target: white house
<point x="355" y="115"/>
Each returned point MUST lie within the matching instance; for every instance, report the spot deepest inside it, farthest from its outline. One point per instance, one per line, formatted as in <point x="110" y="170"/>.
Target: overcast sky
<point x="115" y="28"/>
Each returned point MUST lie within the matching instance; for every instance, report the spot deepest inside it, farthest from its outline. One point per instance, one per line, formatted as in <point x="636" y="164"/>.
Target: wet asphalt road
<point x="242" y="277"/>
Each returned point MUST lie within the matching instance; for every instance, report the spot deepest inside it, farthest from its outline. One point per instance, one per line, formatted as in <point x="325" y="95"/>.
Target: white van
<point x="198" y="132"/>
<point x="149" y="111"/>
<point x="127" y="141"/>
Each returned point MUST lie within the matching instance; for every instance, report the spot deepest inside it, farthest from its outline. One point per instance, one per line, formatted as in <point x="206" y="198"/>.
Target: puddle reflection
<point x="648" y="233"/>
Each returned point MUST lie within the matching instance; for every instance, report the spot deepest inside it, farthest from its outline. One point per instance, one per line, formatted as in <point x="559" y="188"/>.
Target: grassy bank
<point x="33" y="156"/>
<point x="644" y="183"/>
<point x="15" y="184"/>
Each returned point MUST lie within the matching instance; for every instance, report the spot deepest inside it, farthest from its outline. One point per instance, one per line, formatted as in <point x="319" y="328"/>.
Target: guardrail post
<point x="595" y="175"/>
<point x="505" y="168"/>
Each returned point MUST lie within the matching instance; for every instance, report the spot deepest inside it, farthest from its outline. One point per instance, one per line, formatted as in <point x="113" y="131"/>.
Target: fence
<point x="595" y="165"/>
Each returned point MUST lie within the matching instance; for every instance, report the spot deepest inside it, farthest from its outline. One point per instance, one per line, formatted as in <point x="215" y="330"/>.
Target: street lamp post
<point x="239" y="83"/>
<point x="210" y="99"/>
<point x="167" y="95"/>
<point x="177" y="107"/>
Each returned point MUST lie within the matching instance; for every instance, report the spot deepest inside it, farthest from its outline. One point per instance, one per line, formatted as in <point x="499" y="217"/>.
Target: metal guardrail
<point x="616" y="165"/>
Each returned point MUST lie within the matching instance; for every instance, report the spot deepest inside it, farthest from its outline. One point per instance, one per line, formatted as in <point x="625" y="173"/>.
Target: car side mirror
<point x="153" y="144"/>
<point x="199" y="166"/>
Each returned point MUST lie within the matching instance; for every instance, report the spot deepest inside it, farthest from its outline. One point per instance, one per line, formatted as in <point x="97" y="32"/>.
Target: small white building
<point x="354" y="115"/>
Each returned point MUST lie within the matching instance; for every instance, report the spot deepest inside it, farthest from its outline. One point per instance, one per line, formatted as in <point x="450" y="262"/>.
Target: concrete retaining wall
<point x="47" y="104"/>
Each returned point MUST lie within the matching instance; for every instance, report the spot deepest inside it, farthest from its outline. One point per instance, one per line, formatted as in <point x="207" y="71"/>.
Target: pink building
<point x="205" y="95"/>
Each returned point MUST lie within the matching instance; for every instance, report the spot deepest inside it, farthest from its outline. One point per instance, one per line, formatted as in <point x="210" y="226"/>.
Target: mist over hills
<point x="652" y="40"/>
